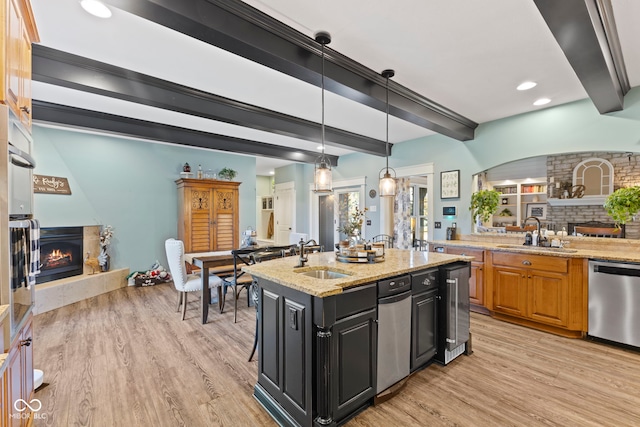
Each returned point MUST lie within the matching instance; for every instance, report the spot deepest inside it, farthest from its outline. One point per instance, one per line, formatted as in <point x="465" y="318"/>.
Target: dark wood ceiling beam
<point x="87" y="119"/>
<point x="238" y="28"/>
<point x="586" y="32"/>
<point x="75" y="72"/>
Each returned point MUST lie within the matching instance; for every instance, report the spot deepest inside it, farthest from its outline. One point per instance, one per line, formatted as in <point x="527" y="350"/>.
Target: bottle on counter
<point x="199" y="171"/>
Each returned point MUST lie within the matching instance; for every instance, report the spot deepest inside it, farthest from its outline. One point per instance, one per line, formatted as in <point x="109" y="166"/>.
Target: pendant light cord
<point x="387" y="146"/>
<point x="322" y="100"/>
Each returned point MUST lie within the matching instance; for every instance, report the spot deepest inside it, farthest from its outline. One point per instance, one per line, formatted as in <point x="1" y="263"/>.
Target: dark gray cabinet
<point x="317" y="356"/>
<point x="424" y="318"/>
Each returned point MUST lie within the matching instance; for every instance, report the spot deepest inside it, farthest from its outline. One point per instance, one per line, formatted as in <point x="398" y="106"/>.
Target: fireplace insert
<point x="61" y="251"/>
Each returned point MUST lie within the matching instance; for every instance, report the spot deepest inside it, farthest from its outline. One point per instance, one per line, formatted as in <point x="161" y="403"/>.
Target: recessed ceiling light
<point x="319" y="147"/>
<point x="526" y="85"/>
<point x="272" y="173"/>
<point x="96" y="8"/>
<point x="542" y="101"/>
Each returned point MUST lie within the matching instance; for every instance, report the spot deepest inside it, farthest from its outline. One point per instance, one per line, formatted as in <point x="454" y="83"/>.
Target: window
<point x="596" y="175"/>
<point x="419" y="218"/>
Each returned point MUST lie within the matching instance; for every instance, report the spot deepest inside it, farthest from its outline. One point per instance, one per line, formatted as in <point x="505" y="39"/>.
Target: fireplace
<point x="61" y="253"/>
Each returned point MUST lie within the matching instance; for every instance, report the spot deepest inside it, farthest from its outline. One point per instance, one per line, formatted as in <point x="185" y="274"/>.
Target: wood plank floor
<point x="126" y="359"/>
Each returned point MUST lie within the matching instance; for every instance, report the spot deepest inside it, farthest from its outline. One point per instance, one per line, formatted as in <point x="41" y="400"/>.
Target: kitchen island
<point x="317" y="338"/>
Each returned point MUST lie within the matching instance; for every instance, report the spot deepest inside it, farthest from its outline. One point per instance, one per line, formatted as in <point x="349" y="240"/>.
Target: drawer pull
<point x="526" y="262"/>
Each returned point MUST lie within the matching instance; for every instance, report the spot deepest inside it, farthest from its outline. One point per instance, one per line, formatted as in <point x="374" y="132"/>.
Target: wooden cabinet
<point x="476" y="282"/>
<point x="18" y="379"/>
<point x="208" y="216"/>
<point x="539" y="290"/>
<point x="19" y="32"/>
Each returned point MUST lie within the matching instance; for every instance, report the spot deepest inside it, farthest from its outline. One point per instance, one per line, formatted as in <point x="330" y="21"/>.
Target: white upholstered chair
<point x="184" y="282"/>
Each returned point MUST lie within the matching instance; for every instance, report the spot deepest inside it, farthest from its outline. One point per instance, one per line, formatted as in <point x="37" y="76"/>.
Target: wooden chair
<point x="388" y="240"/>
<point x="239" y="280"/>
<point x="599" y="231"/>
<point x="184" y="282"/>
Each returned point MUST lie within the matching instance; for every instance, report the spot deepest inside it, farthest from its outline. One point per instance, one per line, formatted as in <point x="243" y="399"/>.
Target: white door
<point x="284" y="214"/>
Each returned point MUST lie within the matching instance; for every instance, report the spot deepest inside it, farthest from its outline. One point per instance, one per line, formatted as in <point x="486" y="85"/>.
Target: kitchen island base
<point x="317" y="354"/>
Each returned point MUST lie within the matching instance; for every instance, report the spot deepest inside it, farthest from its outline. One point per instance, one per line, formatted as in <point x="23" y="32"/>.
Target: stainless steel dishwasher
<point x="394" y="331"/>
<point x="614" y="302"/>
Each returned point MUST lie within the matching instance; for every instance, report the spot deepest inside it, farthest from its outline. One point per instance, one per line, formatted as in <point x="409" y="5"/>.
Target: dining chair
<point x="253" y="291"/>
<point x="388" y="240"/>
<point x="183" y="282"/>
<point x="239" y="280"/>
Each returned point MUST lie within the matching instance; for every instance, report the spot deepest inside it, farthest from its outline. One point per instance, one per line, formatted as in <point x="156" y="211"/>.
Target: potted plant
<point x="484" y="203"/>
<point x="227" y="174"/>
<point x="623" y="204"/>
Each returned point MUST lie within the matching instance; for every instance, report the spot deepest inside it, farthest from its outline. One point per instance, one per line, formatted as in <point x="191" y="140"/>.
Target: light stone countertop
<point x="396" y="262"/>
<point x="590" y="248"/>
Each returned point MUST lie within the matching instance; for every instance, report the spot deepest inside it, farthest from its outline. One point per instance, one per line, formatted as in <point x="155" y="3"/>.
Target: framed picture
<point x="450" y="184"/>
<point x="538" y="210"/>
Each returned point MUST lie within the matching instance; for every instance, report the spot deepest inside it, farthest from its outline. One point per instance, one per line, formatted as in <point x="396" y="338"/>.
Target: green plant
<point x="505" y="212"/>
<point x="227" y="173"/>
<point x="623" y="204"/>
<point x="484" y="203"/>
<point x="354" y="222"/>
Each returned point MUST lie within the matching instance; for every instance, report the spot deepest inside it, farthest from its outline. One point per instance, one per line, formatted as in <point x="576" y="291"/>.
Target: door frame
<point x="314" y="198"/>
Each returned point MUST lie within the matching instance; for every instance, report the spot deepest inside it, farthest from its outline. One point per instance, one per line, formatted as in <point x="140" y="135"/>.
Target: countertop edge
<point x="282" y="270"/>
<point x="624" y="256"/>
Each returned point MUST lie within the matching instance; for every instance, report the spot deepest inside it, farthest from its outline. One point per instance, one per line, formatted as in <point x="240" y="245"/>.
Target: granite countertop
<point x="591" y="248"/>
<point x="4" y="310"/>
<point x="396" y="262"/>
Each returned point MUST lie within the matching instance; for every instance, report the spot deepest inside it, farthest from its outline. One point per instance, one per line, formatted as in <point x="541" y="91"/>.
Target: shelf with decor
<point x="521" y="198"/>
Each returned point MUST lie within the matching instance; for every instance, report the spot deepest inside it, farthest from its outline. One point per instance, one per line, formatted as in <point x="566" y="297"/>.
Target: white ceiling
<point x="466" y="55"/>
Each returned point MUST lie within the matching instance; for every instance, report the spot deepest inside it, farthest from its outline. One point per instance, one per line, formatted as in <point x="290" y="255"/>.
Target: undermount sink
<point x="323" y="274"/>
<point x="538" y="248"/>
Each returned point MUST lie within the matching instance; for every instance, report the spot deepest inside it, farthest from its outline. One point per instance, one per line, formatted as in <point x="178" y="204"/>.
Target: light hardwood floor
<point x="126" y="359"/>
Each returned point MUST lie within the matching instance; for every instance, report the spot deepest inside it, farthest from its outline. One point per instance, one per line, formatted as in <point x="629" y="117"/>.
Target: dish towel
<point x="34" y="251"/>
<point x="19" y="271"/>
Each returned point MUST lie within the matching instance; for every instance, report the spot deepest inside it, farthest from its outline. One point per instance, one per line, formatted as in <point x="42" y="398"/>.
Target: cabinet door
<point x="199" y="236"/>
<point x="14" y="55"/>
<point x="24" y="100"/>
<point x="224" y="228"/>
<point x="354" y="361"/>
<point x="548" y="297"/>
<point x="26" y="351"/>
<point x="476" y="284"/>
<point x="510" y="291"/>
<point x="424" y="318"/>
<point x="14" y="387"/>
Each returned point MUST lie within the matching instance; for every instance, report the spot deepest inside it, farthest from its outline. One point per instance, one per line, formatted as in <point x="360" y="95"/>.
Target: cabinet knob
<point x="526" y="262"/>
<point x="25" y="343"/>
<point x="26" y="109"/>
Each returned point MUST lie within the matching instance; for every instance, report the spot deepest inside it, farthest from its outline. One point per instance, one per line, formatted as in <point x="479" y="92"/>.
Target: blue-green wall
<point x="129" y="184"/>
<point x="571" y="127"/>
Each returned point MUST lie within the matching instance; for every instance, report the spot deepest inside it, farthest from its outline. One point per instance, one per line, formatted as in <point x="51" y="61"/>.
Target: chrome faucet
<point x="302" y="259"/>
<point x="539" y="243"/>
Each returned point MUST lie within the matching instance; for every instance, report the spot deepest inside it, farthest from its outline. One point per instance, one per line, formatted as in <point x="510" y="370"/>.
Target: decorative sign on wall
<point x="50" y="184"/>
<point x="449" y="184"/>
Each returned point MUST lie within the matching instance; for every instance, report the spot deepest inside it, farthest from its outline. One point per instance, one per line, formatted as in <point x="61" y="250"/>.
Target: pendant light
<point x="387" y="182"/>
<point x="322" y="174"/>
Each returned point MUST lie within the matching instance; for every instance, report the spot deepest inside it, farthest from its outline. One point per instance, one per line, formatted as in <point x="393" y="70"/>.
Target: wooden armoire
<point x="208" y="217"/>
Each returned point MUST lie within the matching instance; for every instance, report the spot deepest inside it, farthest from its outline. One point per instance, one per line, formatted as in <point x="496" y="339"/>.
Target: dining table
<point x="206" y="261"/>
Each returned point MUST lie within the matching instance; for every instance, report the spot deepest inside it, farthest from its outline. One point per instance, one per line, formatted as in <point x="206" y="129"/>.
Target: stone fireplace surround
<point x="58" y="293"/>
